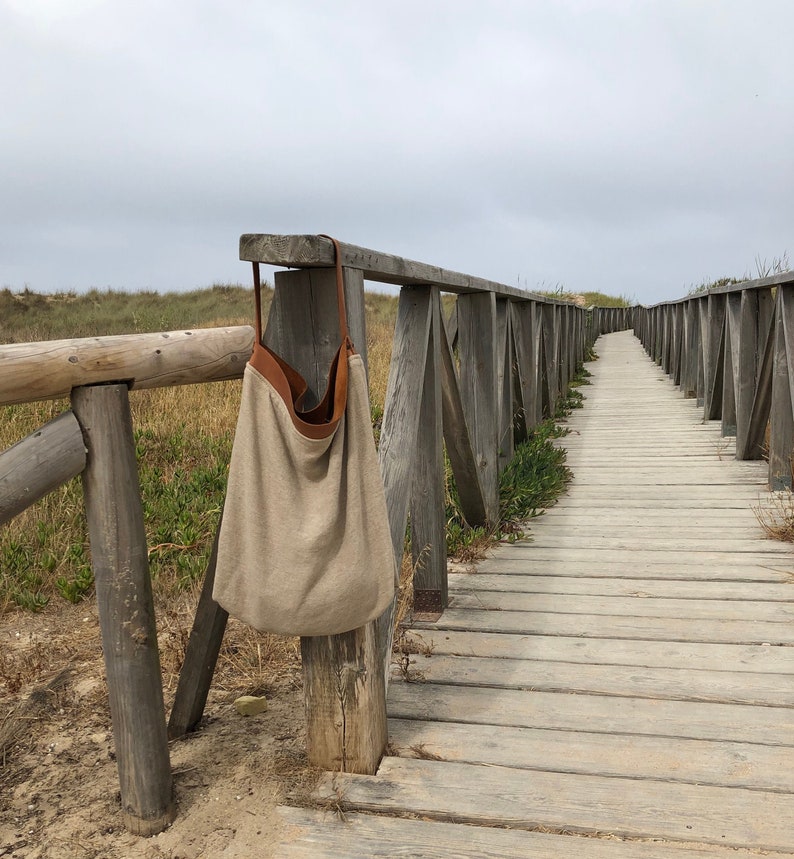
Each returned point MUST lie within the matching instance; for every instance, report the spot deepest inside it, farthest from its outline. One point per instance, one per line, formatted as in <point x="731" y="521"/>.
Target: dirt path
<point x="58" y="779"/>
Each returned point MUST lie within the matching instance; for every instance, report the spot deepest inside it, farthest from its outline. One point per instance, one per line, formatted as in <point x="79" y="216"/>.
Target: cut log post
<point x="48" y="370"/>
<point x="39" y="463"/>
<point x="478" y="386"/>
<point x="126" y="610"/>
<point x="428" y="522"/>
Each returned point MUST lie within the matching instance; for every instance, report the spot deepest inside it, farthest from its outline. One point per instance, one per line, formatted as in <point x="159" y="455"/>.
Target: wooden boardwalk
<point x="621" y="686"/>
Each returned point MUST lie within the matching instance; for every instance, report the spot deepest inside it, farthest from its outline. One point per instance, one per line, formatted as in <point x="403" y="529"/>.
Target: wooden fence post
<point x="714" y="351"/>
<point x="504" y="383"/>
<point x="781" y="429"/>
<point x="478" y="384"/>
<point x="126" y="612"/>
<point x="428" y="525"/>
<point x="730" y="365"/>
<point x="343" y="675"/>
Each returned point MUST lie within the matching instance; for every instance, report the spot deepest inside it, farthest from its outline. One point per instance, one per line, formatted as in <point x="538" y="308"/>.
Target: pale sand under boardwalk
<point x="628" y="675"/>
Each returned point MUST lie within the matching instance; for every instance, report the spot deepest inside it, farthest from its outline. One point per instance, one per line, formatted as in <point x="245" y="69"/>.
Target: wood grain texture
<point x="126" y="611"/>
<point x="39" y="463"/>
<point x="781" y="420"/>
<point x="457" y="438"/>
<point x="581" y="803"/>
<point x="201" y="655"/>
<point x="312" y="834"/>
<point x="400" y="427"/>
<point x="660" y="758"/>
<point x="48" y="370"/>
<point x="427" y="510"/>
<point x="313" y="251"/>
<point x="625" y="673"/>
<point x="478" y="388"/>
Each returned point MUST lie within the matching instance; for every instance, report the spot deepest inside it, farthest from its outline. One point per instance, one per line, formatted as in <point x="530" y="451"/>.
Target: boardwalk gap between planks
<point x="621" y="686"/>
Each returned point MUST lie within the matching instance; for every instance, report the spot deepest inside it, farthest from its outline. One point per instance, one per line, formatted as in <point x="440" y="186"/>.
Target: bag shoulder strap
<point x="322" y="420"/>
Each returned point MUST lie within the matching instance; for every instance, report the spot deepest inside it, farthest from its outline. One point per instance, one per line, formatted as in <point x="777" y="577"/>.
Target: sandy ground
<point x="59" y="793"/>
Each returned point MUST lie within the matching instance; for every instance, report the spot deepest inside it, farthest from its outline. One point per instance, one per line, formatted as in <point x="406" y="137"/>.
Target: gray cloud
<point x="628" y="147"/>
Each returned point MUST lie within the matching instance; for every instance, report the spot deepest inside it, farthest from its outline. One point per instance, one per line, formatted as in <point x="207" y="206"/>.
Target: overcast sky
<point x="630" y="147"/>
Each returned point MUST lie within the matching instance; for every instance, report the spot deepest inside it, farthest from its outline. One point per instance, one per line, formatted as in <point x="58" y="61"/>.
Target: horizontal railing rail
<point x="470" y="386"/>
<point x="731" y="347"/>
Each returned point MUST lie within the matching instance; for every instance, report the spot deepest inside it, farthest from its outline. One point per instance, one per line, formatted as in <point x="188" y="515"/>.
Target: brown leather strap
<point x="258" y="301"/>
<point x="340" y="289"/>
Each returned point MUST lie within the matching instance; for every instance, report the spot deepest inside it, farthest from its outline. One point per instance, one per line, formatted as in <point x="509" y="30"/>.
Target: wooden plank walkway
<point x="621" y="686"/>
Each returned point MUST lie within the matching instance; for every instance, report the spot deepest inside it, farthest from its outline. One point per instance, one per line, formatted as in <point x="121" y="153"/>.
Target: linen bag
<point x="304" y="546"/>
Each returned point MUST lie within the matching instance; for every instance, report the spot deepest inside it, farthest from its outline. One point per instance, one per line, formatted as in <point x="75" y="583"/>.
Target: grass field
<point x="183" y="441"/>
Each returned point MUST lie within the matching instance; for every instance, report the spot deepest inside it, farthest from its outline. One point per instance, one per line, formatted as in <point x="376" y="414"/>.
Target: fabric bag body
<point x="304" y="545"/>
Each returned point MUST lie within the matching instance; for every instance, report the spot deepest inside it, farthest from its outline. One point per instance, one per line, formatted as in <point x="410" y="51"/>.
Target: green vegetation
<point x="762" y="269"/>
<point x="590" y="299"/>
<point x="533" y="480"/>
<point x="183" y="437"/>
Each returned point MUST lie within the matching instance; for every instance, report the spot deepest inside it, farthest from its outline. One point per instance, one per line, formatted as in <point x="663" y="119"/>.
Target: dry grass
<point x="777" y="519"/>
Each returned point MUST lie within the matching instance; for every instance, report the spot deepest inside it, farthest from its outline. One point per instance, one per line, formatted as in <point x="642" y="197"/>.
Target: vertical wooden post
<point x="504" y="383"/>
<point x="730" y="366"/>
<point x="343" y="675"/>
<point x="715" y="349"/>
<point x="703" y="344"/>
<point x="550" y="357"/>
<point x="745" y="368"/>
<point x="478" y="385"/>
<point x="126" y="611"/>
<point x="781" y="420"/>
<point x="428" y="525"/>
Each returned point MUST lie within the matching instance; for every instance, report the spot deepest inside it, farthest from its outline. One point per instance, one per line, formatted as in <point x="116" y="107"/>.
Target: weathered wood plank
<point x="759" y="659"/>
<point x="627" y="606"/>
<point x="674" y="684"/>
<point x="461" y="583"/>
<point x="39" y="463"/>
<point x="427" y="510"/>
<point x="624" y="807"/>
<point x="660" y="758"/>
<point x="401" y="426"/>
<point x="458" y="441"/>
<point x="770" y="726"/>
<point x="478" y="387"/>
<point x="312" y="834"/>
<point x="610" y="626"/>
<point x="665" y="568"/>
<point x="314" y="251"/>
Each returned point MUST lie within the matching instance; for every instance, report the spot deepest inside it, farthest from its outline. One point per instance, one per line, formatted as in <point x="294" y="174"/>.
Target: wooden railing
<point x="472" y="385"/>
<point x="732" y="348"/>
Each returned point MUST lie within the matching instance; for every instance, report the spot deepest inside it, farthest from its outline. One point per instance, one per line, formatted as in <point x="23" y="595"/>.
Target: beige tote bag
<point x="304" y="545"/>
